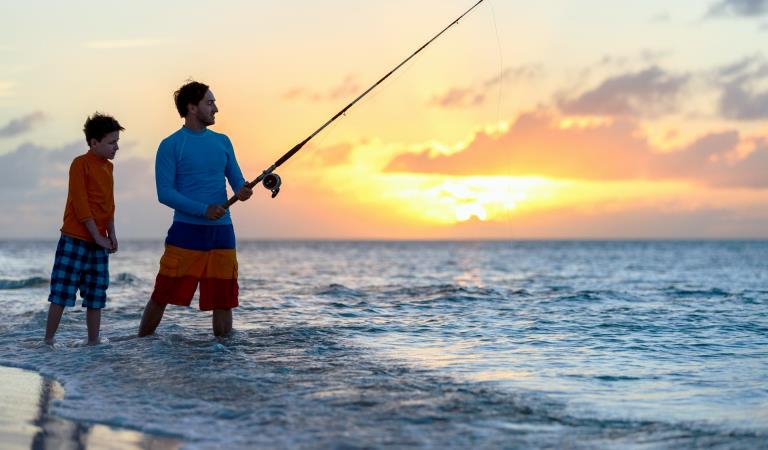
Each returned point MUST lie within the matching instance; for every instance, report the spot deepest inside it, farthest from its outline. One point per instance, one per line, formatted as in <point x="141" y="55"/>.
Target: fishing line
<point x="508" y="211"/>
<point x="383" y="88"/>
<point x="272" y="181"/>
<point x="501" y="64"/>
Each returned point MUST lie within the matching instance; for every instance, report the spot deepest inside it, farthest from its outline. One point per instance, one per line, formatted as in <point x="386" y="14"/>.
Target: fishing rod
<point x="272" y="181"/>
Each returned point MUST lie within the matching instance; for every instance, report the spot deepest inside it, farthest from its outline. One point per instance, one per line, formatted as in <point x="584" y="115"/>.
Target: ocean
<point x="445" y="345"/>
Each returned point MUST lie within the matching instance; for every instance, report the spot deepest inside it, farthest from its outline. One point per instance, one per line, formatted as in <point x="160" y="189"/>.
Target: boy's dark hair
<point x="99" y="125"/>
<point x="191" y="92"/>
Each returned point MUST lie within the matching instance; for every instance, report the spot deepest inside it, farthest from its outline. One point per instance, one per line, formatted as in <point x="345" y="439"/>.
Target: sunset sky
<point x="552" y="119"/>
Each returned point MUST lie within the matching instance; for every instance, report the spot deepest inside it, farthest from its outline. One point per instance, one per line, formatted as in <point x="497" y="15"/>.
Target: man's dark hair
<point x="99" y="125"/>
<point x="191" y="92"/>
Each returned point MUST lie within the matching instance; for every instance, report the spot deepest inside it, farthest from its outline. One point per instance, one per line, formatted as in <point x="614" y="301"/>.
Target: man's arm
<point x="235" y="175"/>
<point x="165" y="174"/>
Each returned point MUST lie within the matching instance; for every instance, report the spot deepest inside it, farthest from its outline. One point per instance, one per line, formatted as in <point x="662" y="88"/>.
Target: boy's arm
<point x="165" y="174"/>
<point x="78" y="192"/>
<point x="79" y="195"/>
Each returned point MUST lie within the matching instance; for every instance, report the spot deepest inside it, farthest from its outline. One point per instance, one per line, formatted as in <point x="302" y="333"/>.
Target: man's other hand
<point x="214" y="212"/>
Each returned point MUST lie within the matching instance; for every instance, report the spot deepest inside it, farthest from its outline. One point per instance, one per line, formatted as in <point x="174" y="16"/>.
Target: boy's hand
<point x="114" y="245"/>
<point x="104" y="242"/>
<point x="244" y="193"/>
<point x="98" y="238"/>
<point x="214" y="212"/>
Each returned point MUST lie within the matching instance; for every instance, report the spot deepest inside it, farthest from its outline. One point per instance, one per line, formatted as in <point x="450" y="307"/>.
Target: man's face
<point x="205" y="110"/>
<point x="107" y="147"/>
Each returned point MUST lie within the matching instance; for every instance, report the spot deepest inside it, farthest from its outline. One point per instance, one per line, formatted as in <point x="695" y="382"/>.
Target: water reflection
<point x="52" y="432"/>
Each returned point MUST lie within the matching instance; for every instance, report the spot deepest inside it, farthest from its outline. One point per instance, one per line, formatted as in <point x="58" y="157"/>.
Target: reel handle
<point x="269" y="180"/>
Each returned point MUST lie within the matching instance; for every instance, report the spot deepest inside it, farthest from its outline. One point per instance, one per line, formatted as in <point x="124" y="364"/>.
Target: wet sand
<point x="26" y="421"/>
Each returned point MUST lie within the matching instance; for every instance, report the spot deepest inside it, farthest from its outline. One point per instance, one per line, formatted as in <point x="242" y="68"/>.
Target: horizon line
<point x="491" y="239"/>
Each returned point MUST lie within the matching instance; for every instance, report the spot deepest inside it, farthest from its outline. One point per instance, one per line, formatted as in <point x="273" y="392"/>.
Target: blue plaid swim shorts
<point x="79" y="265"/>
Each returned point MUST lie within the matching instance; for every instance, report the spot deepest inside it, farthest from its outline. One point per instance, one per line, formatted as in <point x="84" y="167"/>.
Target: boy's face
<point x="205" y="110"/>
<point x="107" y="147"/>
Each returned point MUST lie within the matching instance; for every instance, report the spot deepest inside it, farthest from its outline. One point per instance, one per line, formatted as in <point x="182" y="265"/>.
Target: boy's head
<point x="195" y="100"/>
<point x="102" y="133"/>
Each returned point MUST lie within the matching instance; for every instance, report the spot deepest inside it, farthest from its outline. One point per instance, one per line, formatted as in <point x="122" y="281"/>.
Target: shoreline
<point x="26" y="421"/>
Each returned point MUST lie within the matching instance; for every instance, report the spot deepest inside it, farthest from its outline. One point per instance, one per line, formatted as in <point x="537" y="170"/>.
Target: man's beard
<point x="205" y="120"/>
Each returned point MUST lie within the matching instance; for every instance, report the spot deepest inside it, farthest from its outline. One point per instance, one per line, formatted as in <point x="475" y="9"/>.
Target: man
<point x="190" y="171"/>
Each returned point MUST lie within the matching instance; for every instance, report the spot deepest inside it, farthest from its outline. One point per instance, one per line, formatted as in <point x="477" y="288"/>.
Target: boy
<point x="88" y="233"/>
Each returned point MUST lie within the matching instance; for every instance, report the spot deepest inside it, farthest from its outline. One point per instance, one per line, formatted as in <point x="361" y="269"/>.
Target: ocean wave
<point x="688" y="292"/>
<point x="125" y="278"/>
<point x="444" y="290"/>
<point x="339" y="290"/>
<point x="583" y="296"/>
<point x="23" y="283"/>
<point x="613" y="377"/>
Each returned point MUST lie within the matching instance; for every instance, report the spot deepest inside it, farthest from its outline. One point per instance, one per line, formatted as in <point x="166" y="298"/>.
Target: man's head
<point x="102" y="133"/>
<point x="196" y="102"/>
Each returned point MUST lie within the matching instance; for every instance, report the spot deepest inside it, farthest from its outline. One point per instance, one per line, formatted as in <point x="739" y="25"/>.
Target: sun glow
<point x="449" y="200"/>
<point x="498" y="128"/>
<point x="583" y="122"/>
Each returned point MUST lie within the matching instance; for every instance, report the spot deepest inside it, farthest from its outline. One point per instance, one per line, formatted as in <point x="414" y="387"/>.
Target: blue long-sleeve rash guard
<point x="188" y="173"/>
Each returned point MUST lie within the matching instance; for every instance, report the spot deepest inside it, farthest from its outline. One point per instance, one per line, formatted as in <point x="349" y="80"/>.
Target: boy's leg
<point x="93" y="289"/>
<point x="93" y="319"/>
<point x="222" y="322"/>
<point x="153" y="314"/>
<point x="54" y="317"/>
<point x="65" y="277"/>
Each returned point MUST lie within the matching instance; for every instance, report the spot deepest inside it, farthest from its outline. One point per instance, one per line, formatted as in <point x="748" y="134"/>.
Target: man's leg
<point x="93" y="320"/>
<point x="54" y="317"/>
<point x="153" y="314"/>
<point x="222" y="322"/>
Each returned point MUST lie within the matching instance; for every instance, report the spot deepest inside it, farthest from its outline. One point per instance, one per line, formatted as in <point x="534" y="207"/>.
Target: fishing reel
<point x="272" y="182"/>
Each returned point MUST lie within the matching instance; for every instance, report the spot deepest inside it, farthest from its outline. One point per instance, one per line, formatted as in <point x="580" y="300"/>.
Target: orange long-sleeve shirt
<point x="90" y="196"/>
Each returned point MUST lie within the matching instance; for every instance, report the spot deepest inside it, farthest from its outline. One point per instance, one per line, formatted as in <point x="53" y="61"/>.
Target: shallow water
<point x="423" y="344"/>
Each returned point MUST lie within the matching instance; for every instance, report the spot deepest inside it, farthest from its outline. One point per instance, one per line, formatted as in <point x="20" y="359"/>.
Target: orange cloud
<point x="537" y="144"/>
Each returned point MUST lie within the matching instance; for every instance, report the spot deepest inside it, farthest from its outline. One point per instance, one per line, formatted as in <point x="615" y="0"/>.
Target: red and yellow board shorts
<point x="198" y="254"/>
